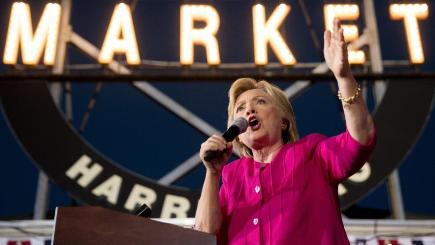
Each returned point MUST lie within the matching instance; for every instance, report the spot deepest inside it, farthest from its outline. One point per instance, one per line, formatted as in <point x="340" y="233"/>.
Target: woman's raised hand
<point x="216" y="143"/>
<point x="335" y="51"/>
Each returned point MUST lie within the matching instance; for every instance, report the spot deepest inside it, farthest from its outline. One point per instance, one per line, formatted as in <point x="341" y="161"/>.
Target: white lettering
<point x="190" y="36"/>
<point x="175" y="207"/>
<point x="121" y="24"/>
<point x="267" y="32"/>
<point x="341" y="189"/>
<point x="20" y="33"/>
<point x="109" y="188"/>
<point x="410" y="13"/>
<point x="140" y="194"/>
<point x="362" y="175"/>
<point x="81" y="167"/>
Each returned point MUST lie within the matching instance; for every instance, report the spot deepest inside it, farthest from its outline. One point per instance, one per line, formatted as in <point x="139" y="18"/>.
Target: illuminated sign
<point x="267" y="31"/>
<point x="410" y="13"/>
<point x="121" y="23"/>
<point x="20" y="34"/>
<point x="121" y="38"/>
<point x="189" y="36"/>
<point x="350" y="32"/>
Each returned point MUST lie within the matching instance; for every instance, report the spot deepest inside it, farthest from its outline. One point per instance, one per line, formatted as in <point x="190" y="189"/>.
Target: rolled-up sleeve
<point x="343" y="156"/>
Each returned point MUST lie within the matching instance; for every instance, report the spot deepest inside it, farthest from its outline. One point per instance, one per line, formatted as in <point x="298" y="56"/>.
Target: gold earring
<point x="285" y="124"/>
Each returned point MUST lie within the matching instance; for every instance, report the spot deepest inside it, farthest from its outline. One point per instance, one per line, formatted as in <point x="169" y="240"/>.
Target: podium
<point x="96" y="225"/>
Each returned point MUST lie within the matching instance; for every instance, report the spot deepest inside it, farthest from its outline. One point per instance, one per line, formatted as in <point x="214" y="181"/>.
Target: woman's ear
<point x="285" y="124"/>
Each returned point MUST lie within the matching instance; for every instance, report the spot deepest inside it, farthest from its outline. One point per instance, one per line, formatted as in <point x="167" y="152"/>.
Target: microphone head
<point x="237" y="127"/>
<point x="241" y="123"/>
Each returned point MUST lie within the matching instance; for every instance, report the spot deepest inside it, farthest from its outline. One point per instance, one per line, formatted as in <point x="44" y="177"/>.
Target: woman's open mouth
<point x="254" y="124"/>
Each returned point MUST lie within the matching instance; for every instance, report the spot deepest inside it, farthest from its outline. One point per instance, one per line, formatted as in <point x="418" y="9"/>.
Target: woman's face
<point x="265" y="120"/>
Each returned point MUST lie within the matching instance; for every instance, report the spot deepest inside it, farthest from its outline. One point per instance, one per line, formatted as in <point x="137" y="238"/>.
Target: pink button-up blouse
<point x="293" y="200"/>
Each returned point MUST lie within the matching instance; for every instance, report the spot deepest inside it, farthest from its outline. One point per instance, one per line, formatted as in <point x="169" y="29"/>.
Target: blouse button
<point x="255" y="221"/>
<point x="257" y="189"/>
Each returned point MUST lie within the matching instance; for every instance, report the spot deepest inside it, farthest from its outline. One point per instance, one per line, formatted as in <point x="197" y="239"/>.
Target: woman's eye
<point x="261" y="101"/>
<point x="239" y="108"/>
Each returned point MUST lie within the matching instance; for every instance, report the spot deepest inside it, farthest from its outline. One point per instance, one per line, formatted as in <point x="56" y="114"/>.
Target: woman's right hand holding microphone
<point x="216" y="143"/>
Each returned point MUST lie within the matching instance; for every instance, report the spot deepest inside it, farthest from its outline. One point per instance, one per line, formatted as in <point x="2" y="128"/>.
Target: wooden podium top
<point x="96" y="225"/>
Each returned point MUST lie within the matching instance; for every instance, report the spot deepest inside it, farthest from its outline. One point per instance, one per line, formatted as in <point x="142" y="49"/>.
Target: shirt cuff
<point x="371" y="142"/>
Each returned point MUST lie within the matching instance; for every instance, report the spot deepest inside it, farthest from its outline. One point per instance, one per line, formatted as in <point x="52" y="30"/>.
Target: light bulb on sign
<point x="410" y="13"/>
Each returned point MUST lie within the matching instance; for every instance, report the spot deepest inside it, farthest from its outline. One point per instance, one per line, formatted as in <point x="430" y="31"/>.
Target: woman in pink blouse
<point x="283" y="190"/>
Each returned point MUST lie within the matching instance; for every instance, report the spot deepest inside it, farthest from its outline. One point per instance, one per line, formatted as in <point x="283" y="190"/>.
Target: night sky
<point x="132" y="129"/>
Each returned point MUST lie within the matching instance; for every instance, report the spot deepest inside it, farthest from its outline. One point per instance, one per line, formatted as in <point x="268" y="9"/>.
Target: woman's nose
<point x="250" y="110"/>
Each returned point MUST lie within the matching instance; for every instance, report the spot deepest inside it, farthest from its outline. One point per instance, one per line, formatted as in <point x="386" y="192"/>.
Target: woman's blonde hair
<point x="241" y="85"/>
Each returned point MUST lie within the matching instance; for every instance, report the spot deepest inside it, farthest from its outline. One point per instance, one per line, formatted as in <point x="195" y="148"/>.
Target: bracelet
<point x="350" y="100"/>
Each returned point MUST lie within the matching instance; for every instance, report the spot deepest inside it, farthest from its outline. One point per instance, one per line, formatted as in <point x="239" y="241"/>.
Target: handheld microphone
<point x="237" y="127"/>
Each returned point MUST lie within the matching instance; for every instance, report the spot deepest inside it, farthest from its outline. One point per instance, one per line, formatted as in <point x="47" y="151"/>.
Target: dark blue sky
<point x="123" y="123"/>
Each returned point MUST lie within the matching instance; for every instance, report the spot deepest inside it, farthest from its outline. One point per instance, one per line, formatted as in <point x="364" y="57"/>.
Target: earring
<point x="285" y="124"/>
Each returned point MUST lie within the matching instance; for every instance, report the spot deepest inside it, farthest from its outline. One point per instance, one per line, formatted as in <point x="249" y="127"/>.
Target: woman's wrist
<point x="347" y="85"/>
<point x="213" y="173"/>
<point x="345" y="76"/>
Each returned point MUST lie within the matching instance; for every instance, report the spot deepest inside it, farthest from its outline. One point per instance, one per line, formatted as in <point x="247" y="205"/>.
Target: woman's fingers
<point x="336" y="28"/>
<point x="335" y="39"/>
<point x="211" y="145"/>
<point x="214" y="143"/>
<point x="341" y="34"/>
<point x="218" y="138"/>
<point x="327" y="38"/>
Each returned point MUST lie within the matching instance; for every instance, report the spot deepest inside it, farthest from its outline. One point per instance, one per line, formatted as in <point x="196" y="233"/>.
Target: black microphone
<point x="143" y="211"/>
<point x="237" y="127"/>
